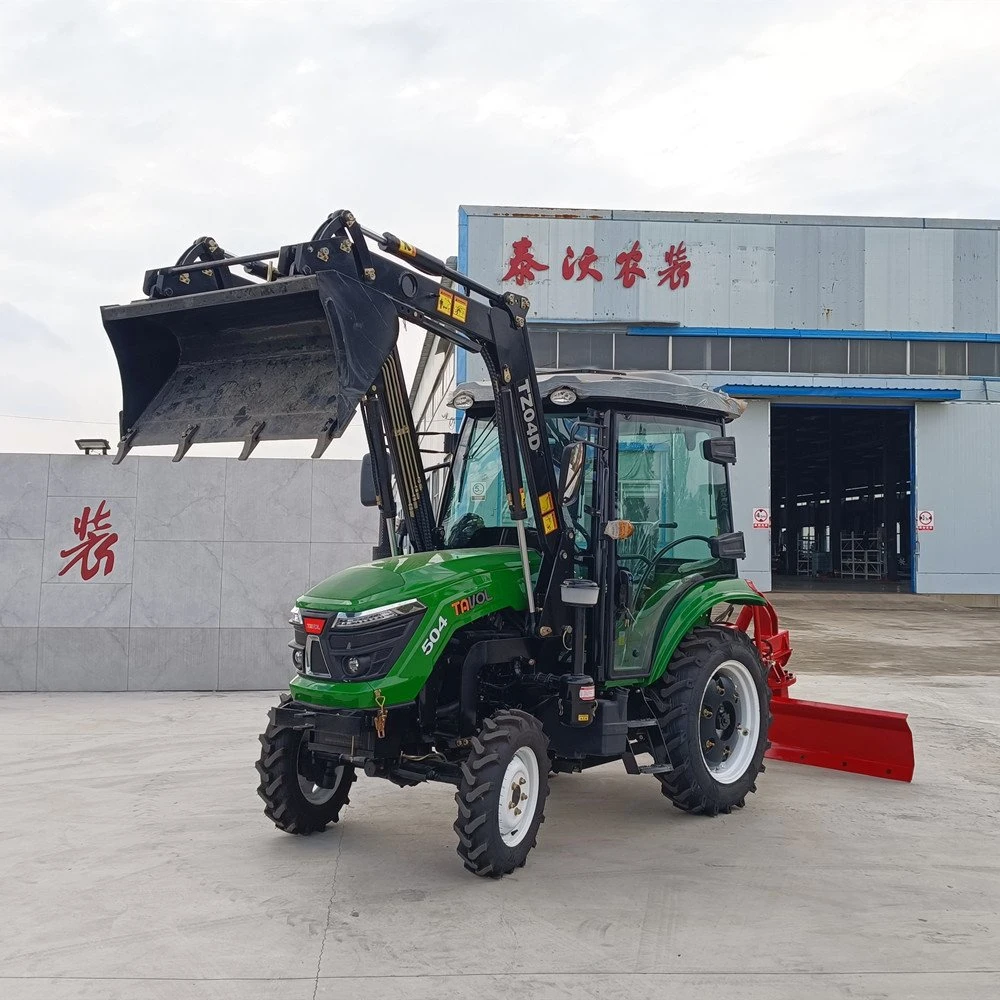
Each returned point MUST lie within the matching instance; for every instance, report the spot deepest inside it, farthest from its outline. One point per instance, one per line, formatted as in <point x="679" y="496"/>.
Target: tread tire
<point x="284" y="803"/>
<point x="677" y="700"/>
<point x="480" y="845"/>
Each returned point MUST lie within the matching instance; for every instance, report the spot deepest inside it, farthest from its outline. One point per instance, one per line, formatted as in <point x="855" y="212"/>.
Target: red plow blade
<point x="859" y="740"/>
<point x="840" y="737"/>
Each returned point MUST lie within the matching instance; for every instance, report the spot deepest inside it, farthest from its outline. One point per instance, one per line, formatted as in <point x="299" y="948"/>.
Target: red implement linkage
<point x="859" y="740"/>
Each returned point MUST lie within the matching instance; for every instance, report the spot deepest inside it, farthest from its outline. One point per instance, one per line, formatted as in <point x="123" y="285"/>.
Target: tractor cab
<point x="651" y="515"/>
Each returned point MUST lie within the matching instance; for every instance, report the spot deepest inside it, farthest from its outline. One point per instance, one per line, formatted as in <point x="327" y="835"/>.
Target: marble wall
<point x="192" y="594"/>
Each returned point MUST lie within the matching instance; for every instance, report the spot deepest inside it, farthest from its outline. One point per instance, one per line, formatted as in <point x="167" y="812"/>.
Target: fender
<point x="691" y="608"/>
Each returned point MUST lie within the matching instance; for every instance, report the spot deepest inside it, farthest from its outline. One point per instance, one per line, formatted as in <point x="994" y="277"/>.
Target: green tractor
<point x="564" y="604"/>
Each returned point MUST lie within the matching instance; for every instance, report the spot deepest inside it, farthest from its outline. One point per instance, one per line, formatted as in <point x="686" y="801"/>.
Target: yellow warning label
<point x="545" y="502"/>
<point x="460" y="309"/>
<point x="585" y="717"/>
<point x="408" y="249"/>
<point x="549" y="523"/>
<point x="445" y="301"/>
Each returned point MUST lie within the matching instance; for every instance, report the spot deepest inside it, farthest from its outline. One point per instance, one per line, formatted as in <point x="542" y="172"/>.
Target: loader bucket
<point x="279" y="360"/>
<point x="859" y="740"/>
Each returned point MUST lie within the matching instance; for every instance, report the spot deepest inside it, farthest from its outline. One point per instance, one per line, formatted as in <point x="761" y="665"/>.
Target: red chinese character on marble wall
<point x="522" y="265"/>
<point x="678" y="269"/>
<point x="628" y="263"/>
<point x="96" y="543"/>
<point x="584" y="263"/>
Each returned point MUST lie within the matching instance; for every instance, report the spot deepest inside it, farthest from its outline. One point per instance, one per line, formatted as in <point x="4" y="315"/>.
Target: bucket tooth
<point x="124" y="447"/>
<point x="252" y="440"/>
<point x="184" y="445"/>
<point x="326" y="435"/>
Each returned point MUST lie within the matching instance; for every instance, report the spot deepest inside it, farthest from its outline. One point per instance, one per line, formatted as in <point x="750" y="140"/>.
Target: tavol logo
<point x="466" y="604"/>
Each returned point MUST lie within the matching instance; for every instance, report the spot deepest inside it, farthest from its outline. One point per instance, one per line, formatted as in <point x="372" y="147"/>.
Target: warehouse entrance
<point x="841" y="497"/>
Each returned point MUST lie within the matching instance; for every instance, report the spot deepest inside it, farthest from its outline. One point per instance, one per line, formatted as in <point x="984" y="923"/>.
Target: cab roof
<point x="656" y="387"/>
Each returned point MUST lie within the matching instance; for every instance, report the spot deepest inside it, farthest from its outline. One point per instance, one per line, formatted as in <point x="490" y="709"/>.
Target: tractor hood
<point x="430" y="577"/>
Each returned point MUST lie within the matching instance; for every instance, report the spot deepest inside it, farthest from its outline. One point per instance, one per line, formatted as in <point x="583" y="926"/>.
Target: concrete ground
<point x="135" y="861"/>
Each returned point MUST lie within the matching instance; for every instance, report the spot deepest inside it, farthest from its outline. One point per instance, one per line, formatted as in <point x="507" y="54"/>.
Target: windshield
<point x="674" y="498"/>
<point x="475" y="510"/>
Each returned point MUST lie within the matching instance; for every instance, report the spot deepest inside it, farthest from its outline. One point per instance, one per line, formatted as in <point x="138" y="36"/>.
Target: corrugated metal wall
<point x="839" y="275"/>
<point x="958" y="477"/>
<point x="751" y="484"/>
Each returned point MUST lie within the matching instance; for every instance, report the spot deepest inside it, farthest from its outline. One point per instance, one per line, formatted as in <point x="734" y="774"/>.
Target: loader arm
<point x="213" y="358"/>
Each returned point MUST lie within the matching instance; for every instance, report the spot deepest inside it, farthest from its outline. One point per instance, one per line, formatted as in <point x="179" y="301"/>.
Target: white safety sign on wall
<point x="925" y="520"/>
<point x="761" y="517"/>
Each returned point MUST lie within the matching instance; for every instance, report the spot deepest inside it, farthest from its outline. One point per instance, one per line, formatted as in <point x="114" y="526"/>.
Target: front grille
<point x="377" y="648"/>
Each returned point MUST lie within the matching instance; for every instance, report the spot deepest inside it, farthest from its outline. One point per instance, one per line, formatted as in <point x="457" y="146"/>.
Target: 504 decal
<point x="434" y="636"/>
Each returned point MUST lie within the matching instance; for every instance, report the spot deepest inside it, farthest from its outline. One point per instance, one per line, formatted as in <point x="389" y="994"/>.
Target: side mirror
<point x="368" y="497"/>
<point x="721" y="450"/>
<point x="571" y="473"/>
<point x="729" y="546"/>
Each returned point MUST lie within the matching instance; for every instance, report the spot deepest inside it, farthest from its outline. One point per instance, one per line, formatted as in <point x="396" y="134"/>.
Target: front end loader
<point x="572" y="601"/>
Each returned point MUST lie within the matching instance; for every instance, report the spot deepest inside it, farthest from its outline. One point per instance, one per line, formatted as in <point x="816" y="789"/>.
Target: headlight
<point x="296" y="618"/>
<point x="365" y="619"/>
<point x="463" y="400"/>
<point x="563" y="396"/>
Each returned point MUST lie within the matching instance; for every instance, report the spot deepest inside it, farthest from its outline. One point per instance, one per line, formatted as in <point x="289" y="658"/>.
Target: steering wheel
<point x="464" y="530"/>
<point x="662" y="552"/>
<point x="626" y="556"/>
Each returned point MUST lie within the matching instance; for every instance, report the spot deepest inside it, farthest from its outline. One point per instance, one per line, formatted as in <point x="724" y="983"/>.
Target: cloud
<point x="129" y="129"/>
<point x="19" y="329"/>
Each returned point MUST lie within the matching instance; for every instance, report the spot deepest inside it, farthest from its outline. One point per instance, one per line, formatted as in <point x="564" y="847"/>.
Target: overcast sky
<point x="129" y="128"/>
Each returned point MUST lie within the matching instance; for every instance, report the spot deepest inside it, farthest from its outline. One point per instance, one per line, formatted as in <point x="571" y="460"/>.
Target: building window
<point x="760" y="354"/>
<point x="937" y="357"/>
<point x="819" y="356"/>
<point x="700" y="354"/>
<point x="543" y="348"/>
<point x="641" y="353"/>
<point x="984" y="359"/>
<point x="878" y="357"/>
<point x="580" y="349"/>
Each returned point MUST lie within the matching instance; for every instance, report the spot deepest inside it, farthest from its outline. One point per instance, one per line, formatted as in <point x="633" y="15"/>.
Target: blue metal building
<point x="868" y="351"/>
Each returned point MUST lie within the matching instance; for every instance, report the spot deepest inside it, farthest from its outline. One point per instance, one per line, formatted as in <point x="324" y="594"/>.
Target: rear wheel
<point x="714" y="709"/>
<point x="299" y="797"/>
<point x="501" y="798"/>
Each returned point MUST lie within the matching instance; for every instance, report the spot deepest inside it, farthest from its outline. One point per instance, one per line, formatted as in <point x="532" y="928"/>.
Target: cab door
<point x="671" y="501"/>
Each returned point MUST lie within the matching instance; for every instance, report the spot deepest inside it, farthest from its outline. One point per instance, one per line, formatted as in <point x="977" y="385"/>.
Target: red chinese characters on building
<point x="522" y="265"/>
<point x="628" y="266"/>
<point x="678" y="269"/>
<point x="584" y="264"/>
<point x="97" y="540"/>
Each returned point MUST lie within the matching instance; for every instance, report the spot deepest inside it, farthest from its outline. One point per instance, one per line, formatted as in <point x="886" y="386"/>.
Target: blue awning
<point x="841" y="392"/>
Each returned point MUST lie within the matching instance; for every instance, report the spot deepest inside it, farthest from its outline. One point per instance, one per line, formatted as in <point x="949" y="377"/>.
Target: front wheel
<point x="299" y="796"/>
<point x="501" y="798"/>
<point x="714" y="710"/>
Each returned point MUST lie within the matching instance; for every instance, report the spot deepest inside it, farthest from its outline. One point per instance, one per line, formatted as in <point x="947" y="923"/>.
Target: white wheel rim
<point x="317" y="795"/>
<point x="518" y="796"/>
<point x="729" y="723"/>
